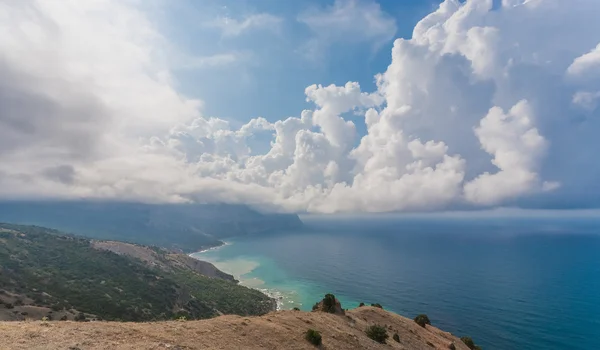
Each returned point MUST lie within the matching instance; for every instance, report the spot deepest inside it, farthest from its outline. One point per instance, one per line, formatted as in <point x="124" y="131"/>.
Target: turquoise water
<point x="510" y="284"/>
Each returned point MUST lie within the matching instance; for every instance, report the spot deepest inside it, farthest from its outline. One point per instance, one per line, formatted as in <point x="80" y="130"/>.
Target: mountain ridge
<point x="182" y="227"/>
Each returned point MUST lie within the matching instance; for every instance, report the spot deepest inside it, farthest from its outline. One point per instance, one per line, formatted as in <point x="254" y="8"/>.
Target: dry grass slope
<point x="277" y="330"/>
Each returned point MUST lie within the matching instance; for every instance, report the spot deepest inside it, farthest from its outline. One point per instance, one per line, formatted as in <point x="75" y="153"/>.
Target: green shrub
<point x="8" y="306"/>
<point x="377" y="305"/>
<point x="451" y="346"/>
<point x="296" y="309"/>
<point x="361" y="304"/>
<point x="377" y="333"/>
<point x="80" y="317"/>
<point x="63" y="318"/>
<point x="396" y="337"/>
<point x="422" y="320"/>
<point x="470" y="343"/>
<point x="329" y="303"/>
<point x="313" y="337"/>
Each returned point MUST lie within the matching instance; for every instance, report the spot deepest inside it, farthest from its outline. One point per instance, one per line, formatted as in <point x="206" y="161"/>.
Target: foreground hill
<point x="188" y="227"/>
<point x="44" y="273"/>
<point x="276" y="330"/>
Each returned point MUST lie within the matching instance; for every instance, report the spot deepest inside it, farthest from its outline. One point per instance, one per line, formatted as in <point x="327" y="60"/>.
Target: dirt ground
<point x="277" y="330"/>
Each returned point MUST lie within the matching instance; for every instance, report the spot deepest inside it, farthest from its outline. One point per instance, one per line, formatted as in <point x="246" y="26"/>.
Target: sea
<point x="509" y="283"/>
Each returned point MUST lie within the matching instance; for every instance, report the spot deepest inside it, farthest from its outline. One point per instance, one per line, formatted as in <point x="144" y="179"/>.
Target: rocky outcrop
<point x="330" y="305"/>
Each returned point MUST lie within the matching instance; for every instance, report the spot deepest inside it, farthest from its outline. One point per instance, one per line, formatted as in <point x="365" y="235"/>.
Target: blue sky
<point x="270" y="78"/>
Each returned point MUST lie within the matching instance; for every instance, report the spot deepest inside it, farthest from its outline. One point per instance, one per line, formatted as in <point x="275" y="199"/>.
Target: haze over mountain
<point x="481" y="103"/>
<point x="187" y="227"/>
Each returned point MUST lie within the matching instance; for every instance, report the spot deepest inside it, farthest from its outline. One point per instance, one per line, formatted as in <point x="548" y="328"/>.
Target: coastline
<point x="221" y="244"/>
<point x="241" y="269"/>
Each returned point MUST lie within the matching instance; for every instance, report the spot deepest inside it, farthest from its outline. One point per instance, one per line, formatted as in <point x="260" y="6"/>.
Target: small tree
<point x="329" y="303"/>
<point x="377" y="333"/>
<point x="296" y="309"/>
<point x="80" y="317"/>
<point x="470" y="343"/>
<point x="361" y="304"/>
<point x="313" y="337"/>
<point x="396" y="337"/>
<point x="8" y="306"/>
<point x="377" y="305"/>
<point x="422" y="320"/>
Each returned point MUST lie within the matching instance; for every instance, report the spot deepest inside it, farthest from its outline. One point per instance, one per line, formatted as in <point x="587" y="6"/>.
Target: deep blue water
<point x="508" y="283"/>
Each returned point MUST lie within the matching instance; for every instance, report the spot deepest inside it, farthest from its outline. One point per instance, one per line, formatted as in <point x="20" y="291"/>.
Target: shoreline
<point x="273" y="293"/>
<point x="278" y="299"/>
<point x="221" y="244"/>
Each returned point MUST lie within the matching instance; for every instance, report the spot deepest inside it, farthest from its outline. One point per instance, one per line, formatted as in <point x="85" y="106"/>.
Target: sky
<point x="330" y="106"/>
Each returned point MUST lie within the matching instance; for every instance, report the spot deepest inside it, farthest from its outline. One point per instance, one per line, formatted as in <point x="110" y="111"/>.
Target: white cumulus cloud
<point x="482" y="106"/>
<point x="517" y="148"/>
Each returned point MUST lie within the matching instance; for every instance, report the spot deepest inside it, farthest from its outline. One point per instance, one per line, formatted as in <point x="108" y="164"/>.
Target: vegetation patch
<point x="313" y="337"/>
<point x="470" y="343"/>
<point x="377" y="333"/>
<point x="422" y="320"/>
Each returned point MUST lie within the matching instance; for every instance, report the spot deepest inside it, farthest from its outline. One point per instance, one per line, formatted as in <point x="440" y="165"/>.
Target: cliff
<point x="276" y="330"/>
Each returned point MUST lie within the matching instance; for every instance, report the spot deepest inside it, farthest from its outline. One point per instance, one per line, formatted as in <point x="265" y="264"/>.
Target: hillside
<point x="276" y="330"/>
<point x="187" y="227"/>
<point x="162" y="259"/>
<point x="46" y="273"/>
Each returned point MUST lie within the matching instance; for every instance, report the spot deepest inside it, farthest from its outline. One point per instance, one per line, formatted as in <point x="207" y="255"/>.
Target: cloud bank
<point x="483" y="106"/>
